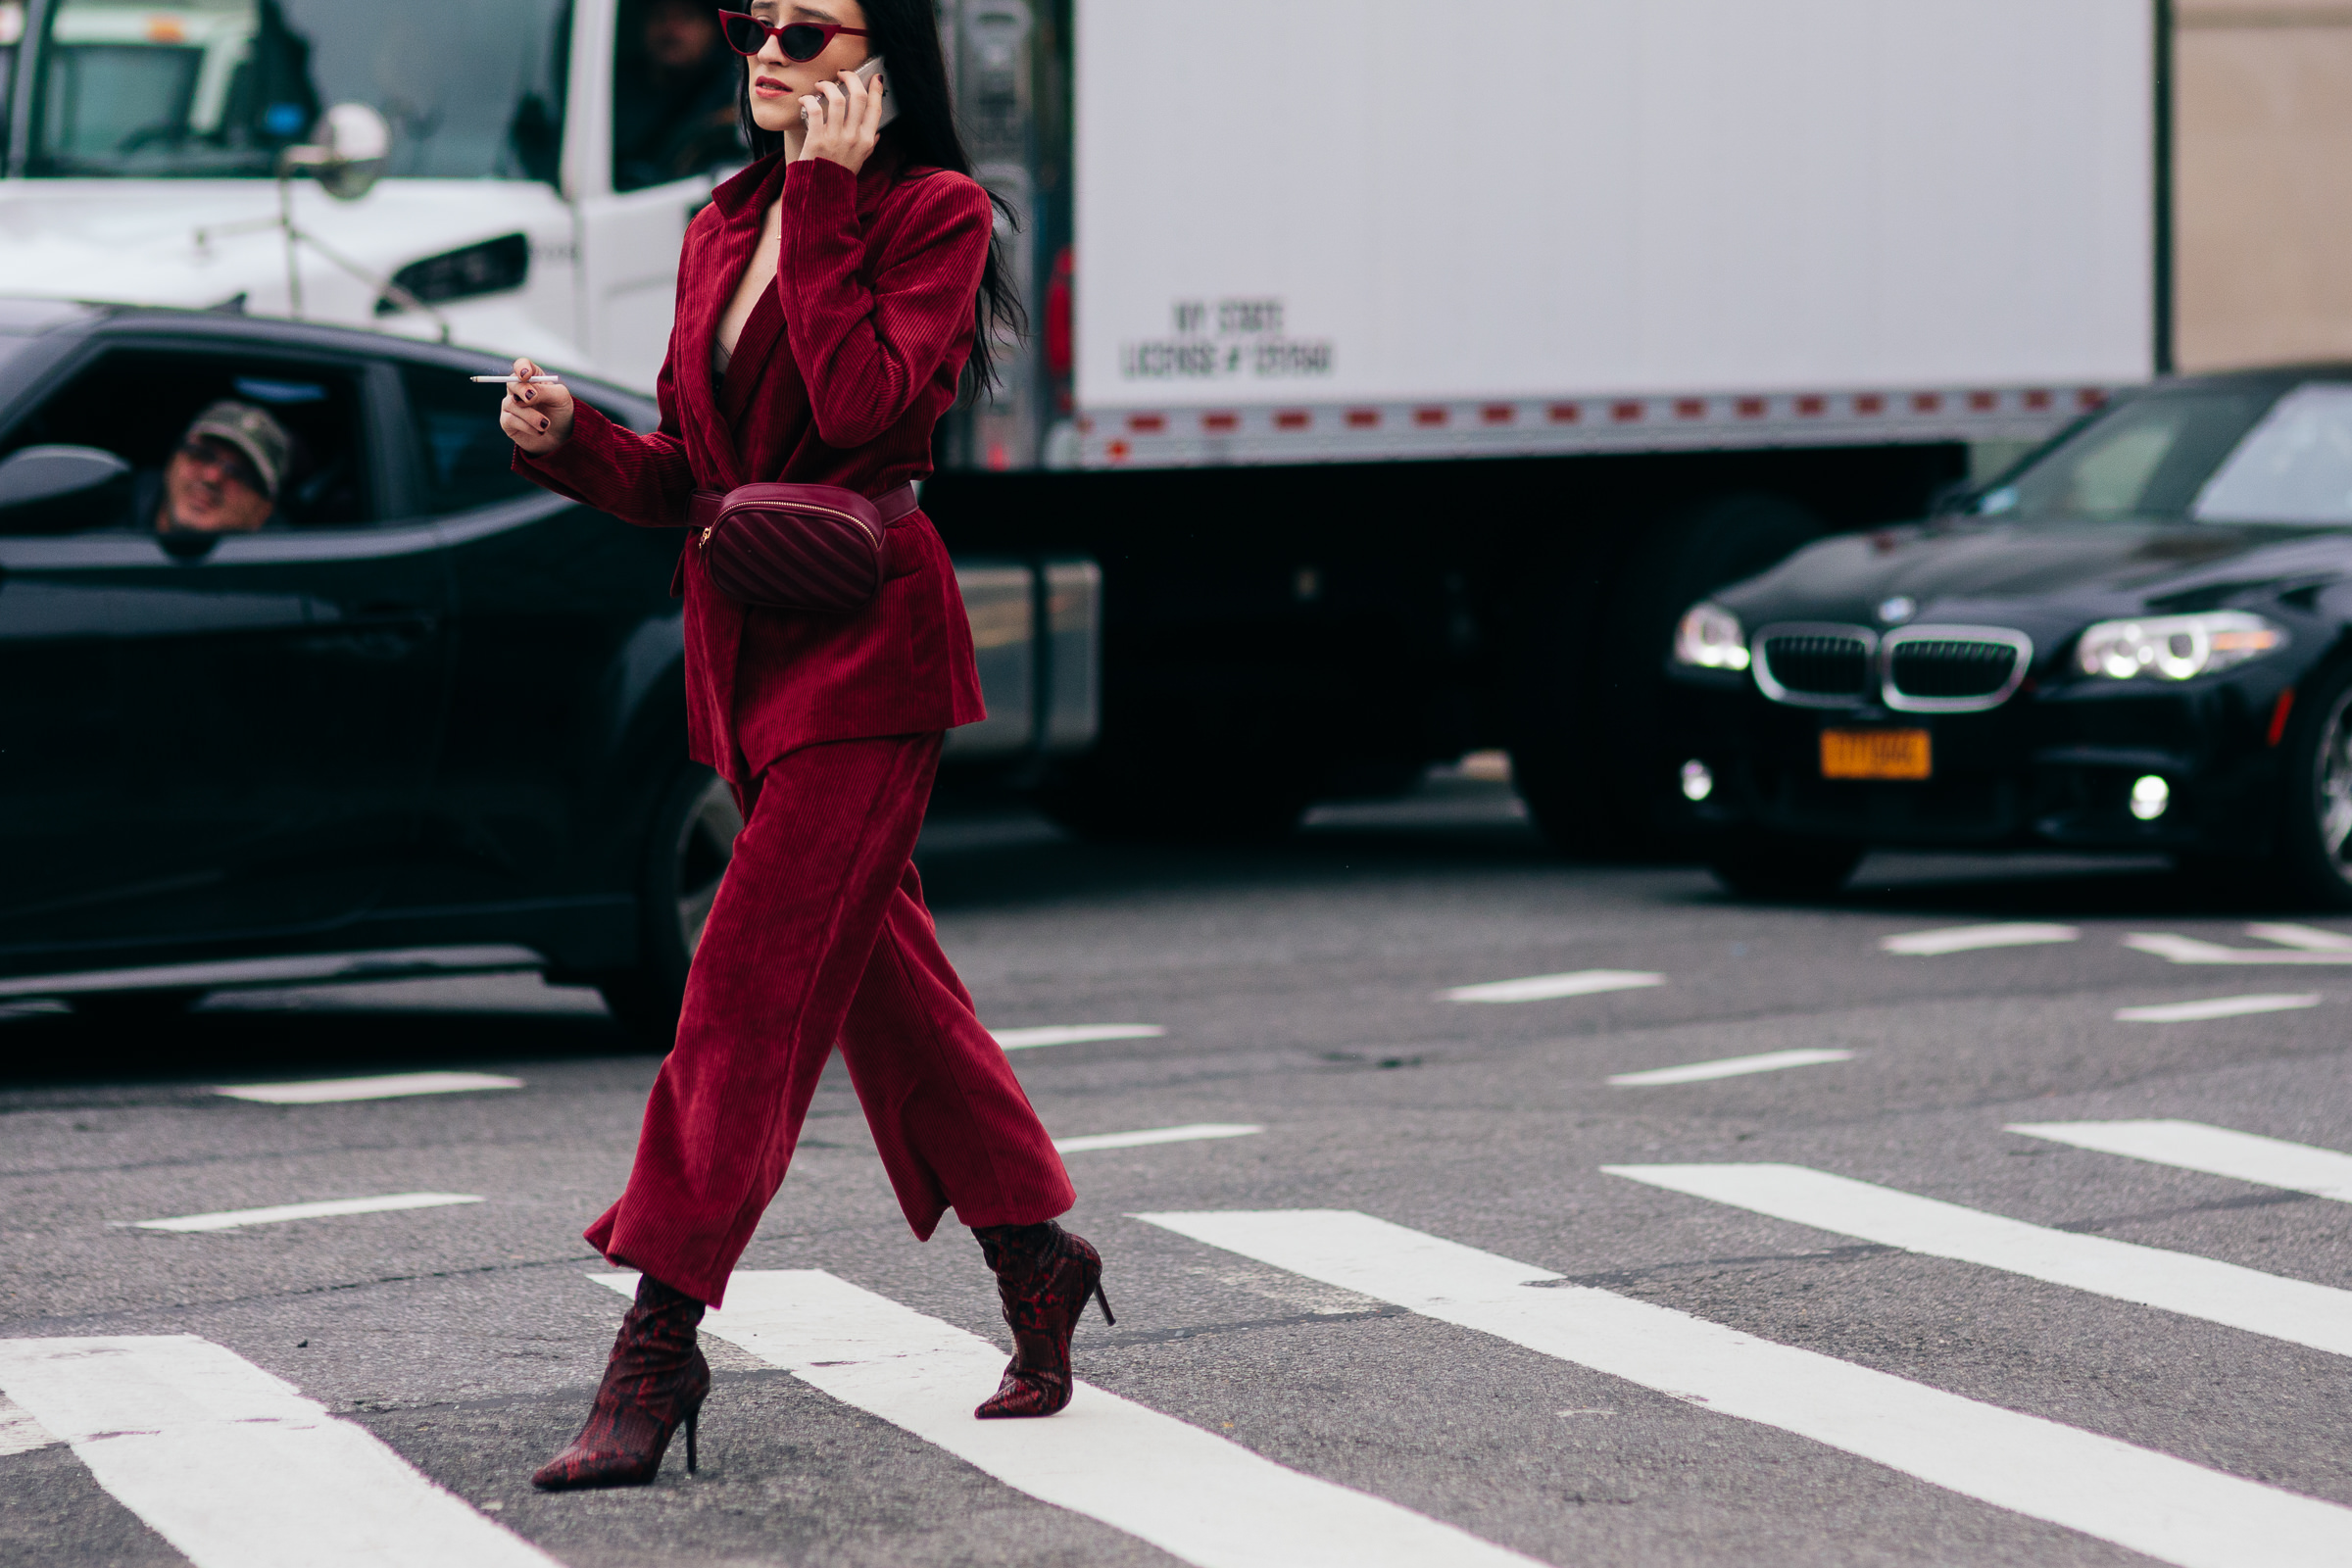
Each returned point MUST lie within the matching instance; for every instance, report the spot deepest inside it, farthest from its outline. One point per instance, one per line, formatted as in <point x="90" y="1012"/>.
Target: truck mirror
<point x="30" y="476"/>
<point x="347" y="152"/>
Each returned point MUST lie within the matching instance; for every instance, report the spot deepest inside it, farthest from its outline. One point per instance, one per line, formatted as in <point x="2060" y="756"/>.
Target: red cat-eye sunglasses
<point x="800" y="41"/>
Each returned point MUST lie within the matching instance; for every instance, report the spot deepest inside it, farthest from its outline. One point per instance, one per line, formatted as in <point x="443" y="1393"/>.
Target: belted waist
<point x="702" y="510"/>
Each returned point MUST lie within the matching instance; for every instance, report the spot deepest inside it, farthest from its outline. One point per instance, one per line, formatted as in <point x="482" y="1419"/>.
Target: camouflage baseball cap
<point x="252" y="431"/>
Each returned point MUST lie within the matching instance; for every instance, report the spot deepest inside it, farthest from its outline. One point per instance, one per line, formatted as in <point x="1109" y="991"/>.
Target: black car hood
<point x="2048" y="579"/>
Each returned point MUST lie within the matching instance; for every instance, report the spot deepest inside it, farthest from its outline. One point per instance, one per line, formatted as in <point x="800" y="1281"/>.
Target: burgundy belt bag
<point x="812" y="549"/>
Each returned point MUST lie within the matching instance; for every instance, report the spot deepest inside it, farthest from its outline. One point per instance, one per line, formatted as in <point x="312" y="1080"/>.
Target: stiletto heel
<point x="1044" y="1278"/>
<point x="655" y="1384"/>
<point x="1104" y="1302"/>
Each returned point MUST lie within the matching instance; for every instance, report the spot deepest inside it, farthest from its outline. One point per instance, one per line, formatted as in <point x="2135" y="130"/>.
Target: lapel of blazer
<point x="709" y="274"/>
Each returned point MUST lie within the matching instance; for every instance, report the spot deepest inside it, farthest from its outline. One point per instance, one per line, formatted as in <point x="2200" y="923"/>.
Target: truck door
<point x="667" y="113"/>
<point x="208" y="733"/>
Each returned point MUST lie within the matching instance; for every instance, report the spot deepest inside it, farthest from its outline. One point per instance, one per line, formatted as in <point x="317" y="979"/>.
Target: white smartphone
<point x="867" y="74"/>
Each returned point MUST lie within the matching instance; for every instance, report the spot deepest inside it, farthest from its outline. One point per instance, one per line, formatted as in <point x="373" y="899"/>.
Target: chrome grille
<point x="1953" y="670"/>
<point x="1810" y="665"/>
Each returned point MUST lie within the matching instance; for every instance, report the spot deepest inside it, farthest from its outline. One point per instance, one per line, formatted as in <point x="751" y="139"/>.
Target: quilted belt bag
<point x="812" y="548"/>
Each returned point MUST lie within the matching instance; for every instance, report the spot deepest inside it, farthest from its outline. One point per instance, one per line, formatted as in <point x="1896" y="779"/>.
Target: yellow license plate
<point x="1897" y="754"/>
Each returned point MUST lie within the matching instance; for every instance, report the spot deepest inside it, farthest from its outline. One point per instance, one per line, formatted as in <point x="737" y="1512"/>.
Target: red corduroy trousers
<point x="819" y="936"/>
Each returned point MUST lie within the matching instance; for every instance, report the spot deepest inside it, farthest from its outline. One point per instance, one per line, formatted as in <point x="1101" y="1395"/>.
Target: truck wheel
<point x="1115" y="796"/>
<point x="686" y="853"/>
<point x="1756" y="864"/>
<point x="2313" y="857"/>
<point x="1591" y="759"/>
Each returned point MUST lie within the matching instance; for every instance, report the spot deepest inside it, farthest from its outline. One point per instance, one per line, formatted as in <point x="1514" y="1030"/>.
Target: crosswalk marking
<point x="386" y="1086"/>
<point x="1074" y="1034"/>
<point x="2296" y="1310"/>
<point x="1729" y="1067"/>
<point x="229" y="1220"/>
<point x="19" y="1433"/>
<point x="2214" y="1150"/>
<point x="236" y="1469"/>
<point x="1547" y="987"/>
<point x="2176" y="948"/>
<point x="1154" y="1135"/>
<point x="1194" y="1495"/>
<point x="2310" y="938"/>
<point x="2212" y="1008"/>
<point x="1970" y="938"/>
<point x="2166" y="1507"/>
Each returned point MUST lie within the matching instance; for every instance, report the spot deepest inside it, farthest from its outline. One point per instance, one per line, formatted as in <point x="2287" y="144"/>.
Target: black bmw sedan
<point x="385" y="709"/>
<point x="2135" y="640"/>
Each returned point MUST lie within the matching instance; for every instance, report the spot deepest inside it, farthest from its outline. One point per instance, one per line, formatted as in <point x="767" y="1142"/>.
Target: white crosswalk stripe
<point x="19" y="1433"/>
<point x="2212" y="1007"/>
<point x="1074" y="1034"/>
<point x="1729" y="1067"/>
<point x="236" y="1469"/>
<point x="1973" y="938"/>
<point x="2176" y="949"/>
<point x="230" y="1219"/>
<point x="1194" y="1495"/>
<point x="2214" y="1150"/>
<point x="1192" y="1132"/>
<point x="386" y="1086"/>
<point x="1552" y="987"/>
<point x="2296" y="1310"/>
<point x="2151" y="1502"/>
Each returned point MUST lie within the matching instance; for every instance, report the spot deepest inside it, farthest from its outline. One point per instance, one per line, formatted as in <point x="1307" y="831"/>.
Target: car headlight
<point x="1709" y="638"/>
<point x="2176" y="647"/>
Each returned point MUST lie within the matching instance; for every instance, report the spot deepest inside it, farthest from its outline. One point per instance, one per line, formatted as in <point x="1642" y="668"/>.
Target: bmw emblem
<point x="1898" y="610"/>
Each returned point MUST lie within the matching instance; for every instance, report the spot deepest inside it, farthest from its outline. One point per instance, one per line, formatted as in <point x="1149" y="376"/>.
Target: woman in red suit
<point x="832" y="299"/>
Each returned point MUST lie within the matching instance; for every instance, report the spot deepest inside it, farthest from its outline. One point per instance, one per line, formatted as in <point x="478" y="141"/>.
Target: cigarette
<point x="516" y="380"/>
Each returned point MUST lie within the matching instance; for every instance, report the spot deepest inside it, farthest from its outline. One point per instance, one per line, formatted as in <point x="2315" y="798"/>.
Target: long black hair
<point x="906" y="33"/>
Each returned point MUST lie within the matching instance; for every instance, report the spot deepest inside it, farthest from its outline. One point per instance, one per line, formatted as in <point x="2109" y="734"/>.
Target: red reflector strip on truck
<point x="1728" y="420"/>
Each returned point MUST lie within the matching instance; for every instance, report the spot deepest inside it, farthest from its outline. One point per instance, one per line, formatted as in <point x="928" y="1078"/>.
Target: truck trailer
<point x="1397" y="380"/>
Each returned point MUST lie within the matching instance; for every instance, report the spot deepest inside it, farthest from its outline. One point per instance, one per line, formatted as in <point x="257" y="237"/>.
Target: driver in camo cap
<point x="224" y="475"/>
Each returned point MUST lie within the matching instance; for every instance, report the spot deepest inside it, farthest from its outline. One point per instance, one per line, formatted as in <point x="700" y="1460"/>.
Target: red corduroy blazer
<point x="837" y="378"/>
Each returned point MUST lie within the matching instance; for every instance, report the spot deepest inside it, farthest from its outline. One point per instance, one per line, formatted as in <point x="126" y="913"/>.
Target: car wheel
<point x="687" y="852"/>
<point x="2314" y="847"/>
<point x="1759" y="864"/>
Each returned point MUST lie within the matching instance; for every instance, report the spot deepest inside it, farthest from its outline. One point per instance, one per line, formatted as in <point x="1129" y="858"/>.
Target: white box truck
<point x="1404" y="369"/>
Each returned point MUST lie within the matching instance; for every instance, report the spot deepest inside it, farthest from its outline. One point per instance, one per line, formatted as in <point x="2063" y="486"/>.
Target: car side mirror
<point x="30" y="476"/>
<point x="347" y="152"/>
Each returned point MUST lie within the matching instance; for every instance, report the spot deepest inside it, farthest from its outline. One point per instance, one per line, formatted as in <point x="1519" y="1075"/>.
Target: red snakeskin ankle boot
<point x="654" y="1383"/>
<point x="1043" y="1277"/>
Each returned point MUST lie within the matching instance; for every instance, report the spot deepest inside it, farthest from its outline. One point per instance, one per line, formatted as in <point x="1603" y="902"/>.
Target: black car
<point x="428" y="719"/>
<point x="2133" y="640"/>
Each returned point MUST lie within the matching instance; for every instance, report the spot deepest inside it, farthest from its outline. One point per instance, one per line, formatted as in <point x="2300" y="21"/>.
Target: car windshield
<point x="2212" y="454"/>
<point x="213" y="88"/>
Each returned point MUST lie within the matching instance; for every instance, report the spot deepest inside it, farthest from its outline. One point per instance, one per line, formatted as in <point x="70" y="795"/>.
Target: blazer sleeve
<point x="644" y="480"/>
<point x="866" y="352"/>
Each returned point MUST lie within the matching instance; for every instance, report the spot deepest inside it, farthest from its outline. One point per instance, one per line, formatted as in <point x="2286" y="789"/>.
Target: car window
<point x="2296" y="466"/>
<point x="673" y="93"/>
<point x="2148" y="456"/>
<point x="466" y="458"/>
<point x="228" y="443"/>
<point x="213" y="88"/>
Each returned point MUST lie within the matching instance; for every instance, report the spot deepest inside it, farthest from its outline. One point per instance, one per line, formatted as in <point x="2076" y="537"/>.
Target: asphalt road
<point x="1543" y="1320"/>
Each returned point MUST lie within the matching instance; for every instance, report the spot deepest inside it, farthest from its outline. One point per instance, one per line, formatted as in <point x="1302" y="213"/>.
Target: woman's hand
<point x="844" y="120"/>
<point x="536" y="418"/>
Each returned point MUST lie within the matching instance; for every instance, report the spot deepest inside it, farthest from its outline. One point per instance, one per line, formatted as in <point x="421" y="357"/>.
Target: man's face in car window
<point x="210" y="487"/>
